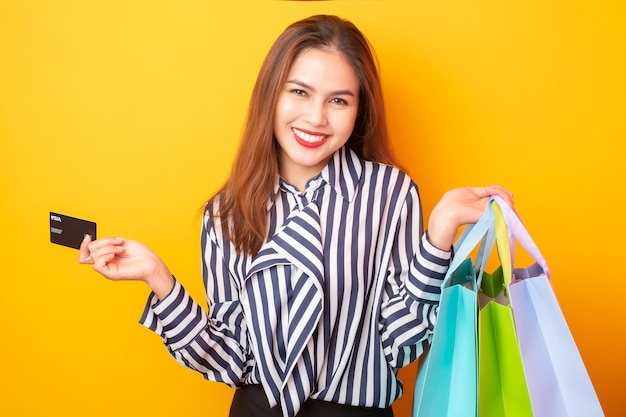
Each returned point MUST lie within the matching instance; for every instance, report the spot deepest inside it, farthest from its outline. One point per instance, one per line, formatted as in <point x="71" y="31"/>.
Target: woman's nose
<point x="316" y="113"/>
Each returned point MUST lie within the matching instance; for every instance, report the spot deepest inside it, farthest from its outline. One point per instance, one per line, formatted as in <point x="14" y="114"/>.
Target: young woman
<point x="319" y="278"/>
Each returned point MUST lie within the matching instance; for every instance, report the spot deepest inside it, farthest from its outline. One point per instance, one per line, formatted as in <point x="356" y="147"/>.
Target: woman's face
<point x="315" y="113"/>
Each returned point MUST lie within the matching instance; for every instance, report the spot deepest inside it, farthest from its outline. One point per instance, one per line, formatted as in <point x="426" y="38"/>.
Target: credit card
<point x="70" y="231"/>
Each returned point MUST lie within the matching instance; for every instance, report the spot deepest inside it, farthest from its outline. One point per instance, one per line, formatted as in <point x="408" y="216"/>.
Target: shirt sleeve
<point x="413" y="288"/>
<point x="213" y="343"/>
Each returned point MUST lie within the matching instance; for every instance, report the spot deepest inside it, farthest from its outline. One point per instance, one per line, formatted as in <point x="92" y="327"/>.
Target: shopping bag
<point x="557" y="379"/>
<point x="446" y="383"/>
<point x="502" y="390"/>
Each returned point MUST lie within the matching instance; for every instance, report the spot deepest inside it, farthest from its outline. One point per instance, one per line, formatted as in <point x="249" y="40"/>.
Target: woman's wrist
<point x="441" y="229"/>
<point x="161" y="283"/>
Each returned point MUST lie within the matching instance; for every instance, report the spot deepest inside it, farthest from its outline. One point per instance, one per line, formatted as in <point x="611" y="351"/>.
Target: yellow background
<point x="128" y="113"/>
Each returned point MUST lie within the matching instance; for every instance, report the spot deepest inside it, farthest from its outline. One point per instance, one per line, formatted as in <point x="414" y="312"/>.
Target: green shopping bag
<point x="502" y="389"/>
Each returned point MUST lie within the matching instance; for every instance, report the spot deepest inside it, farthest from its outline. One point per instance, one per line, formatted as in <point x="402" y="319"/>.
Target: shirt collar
<point x="342" y="174"/>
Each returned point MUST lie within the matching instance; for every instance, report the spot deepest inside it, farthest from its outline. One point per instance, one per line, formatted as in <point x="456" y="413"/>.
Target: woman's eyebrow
<point x="333" y="93"/>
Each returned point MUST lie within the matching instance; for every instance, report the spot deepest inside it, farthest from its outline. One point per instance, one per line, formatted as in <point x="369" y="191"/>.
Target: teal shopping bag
<point x="447" y="382"/>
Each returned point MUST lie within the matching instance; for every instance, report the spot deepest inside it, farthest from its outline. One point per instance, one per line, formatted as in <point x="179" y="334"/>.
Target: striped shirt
<point x="343" y="293"/>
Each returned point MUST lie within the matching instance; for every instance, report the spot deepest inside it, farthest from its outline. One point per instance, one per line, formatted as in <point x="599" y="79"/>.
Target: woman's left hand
<point x="458" y="207"/>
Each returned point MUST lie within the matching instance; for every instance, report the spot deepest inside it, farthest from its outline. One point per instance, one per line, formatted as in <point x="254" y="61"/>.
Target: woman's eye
<point x="337" y="100"/>
<point x="298" y="92"/>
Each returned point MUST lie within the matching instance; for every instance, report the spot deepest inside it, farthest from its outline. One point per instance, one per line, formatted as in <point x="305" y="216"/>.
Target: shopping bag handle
<point x="486" y="246"/>
<point x="507" y="219"/>
<point x="471" y="235"/>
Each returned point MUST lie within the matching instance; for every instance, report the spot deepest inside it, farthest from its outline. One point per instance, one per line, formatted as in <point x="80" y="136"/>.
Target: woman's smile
<point x="308" y="139"/>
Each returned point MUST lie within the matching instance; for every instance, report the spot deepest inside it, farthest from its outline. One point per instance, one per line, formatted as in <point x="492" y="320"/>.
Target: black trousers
<point x="250" y="401"/>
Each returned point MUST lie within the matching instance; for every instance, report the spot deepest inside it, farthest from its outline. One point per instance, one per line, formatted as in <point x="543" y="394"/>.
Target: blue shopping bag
<point x="558" y="382"/>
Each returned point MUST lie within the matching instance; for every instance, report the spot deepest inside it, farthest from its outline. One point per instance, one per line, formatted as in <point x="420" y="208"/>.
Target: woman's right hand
<point x="121" y="259"/>
<point x="458" y="207"/>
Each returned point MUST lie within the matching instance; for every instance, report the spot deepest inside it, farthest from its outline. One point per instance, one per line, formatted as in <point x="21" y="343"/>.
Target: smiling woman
<point x="129" y="113"/>
<point x="319" y="277"/>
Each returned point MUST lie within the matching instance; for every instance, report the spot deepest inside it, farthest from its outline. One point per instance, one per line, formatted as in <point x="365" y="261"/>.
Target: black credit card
<point x="70" y="231"/>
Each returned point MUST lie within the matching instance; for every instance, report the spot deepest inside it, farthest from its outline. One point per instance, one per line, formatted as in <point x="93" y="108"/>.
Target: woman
<point x="320" y="280"/>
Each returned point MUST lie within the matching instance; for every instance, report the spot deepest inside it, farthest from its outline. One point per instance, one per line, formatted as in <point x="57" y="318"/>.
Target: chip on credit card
<point x="70" y="231"/>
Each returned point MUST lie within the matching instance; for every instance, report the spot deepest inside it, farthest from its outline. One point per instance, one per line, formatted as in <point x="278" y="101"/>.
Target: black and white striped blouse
<point x="343" y="293"/>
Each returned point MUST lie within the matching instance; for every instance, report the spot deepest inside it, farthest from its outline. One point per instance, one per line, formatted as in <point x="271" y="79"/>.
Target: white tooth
<point x="307" y="137"/>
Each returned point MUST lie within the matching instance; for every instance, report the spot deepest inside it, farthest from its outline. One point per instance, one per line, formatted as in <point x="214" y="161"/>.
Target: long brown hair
<point x="244" y="199"/>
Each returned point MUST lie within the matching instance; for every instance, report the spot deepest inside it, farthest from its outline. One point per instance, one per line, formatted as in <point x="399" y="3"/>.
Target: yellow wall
<point x="128" y="113"/>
